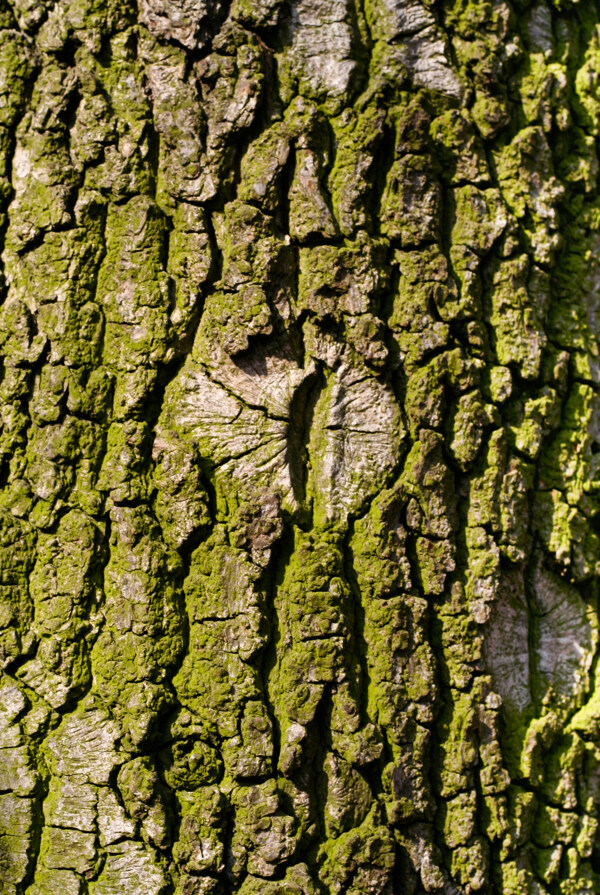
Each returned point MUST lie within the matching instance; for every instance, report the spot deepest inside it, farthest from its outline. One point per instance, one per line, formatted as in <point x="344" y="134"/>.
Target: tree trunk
<point x="299" y="537"/>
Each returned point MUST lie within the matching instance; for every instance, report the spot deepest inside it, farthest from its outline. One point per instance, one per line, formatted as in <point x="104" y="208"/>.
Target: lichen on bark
<point x="299" y="402"/>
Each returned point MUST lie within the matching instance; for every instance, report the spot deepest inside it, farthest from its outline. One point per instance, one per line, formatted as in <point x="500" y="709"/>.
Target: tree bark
<point x="299" y="538"/>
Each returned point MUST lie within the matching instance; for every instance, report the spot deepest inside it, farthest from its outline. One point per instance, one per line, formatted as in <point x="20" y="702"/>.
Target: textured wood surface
<point x="299" y="440"/>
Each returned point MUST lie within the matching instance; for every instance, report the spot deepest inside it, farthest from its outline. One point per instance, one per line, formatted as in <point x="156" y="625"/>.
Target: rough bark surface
<point x="299" y="447"/>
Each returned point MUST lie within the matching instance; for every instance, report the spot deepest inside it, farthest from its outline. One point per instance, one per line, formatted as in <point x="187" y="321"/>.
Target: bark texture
<point x="299" y="447"/>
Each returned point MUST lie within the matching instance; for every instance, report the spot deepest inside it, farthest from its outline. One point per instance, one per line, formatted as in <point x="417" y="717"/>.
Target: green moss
<point x="200" y="847"/>
<point x="16" y="67"/>
<point x="411" y="203"/>
<point x="517" y="323"/>
<point x="262" y="168"/>
<point x="366" y="852"/>
<point x="460" y="149"/>
<point x="470" y="420"/>
<point x="586" y="81"/>
<point x="480" y="218"/>
<point x="359" y="137"/>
